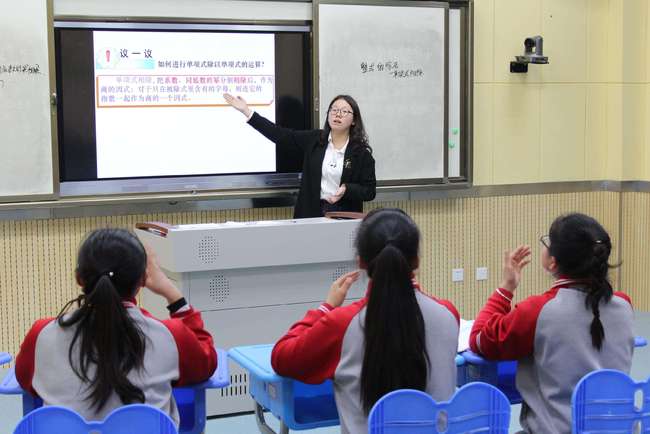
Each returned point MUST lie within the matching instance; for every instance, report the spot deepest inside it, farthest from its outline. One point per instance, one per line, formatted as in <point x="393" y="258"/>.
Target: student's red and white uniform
<point x="178" y="351"/>
<point x="549" y="335"/>
<point x="328" y="343"/>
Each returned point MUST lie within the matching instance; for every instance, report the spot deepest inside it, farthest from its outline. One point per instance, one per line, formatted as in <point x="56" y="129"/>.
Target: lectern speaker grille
<point x="219" y="288"/>
<point x="340" y="271"/>
<point x="208" y="250"/>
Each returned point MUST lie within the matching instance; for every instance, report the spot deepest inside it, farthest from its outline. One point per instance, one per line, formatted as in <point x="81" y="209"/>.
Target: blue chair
<point x="475" y="407"/>
<point x="190" y="400"/>
<point x="604" y="402"/>
<point x="5" y="358"/>
<point x="130" y="419"/>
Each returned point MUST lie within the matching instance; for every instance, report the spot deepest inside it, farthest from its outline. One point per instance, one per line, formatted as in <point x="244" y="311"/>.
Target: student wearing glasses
<point x="338" y="169"/>
<point x="579" y="325"/>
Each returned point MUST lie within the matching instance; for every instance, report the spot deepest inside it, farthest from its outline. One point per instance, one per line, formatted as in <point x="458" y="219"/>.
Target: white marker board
<point x="26" y="166"/>
<point x="391" y="59"/>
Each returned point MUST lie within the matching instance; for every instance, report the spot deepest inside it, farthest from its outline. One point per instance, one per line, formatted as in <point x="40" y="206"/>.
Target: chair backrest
<point x="609" y="401"/>
<point x="129" y="419"/>
<point x="475" y="407"/>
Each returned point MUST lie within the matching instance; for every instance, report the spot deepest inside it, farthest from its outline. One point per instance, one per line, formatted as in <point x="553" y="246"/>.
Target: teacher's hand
<point x="337" y="196"/>
<point x="239" y="103"/>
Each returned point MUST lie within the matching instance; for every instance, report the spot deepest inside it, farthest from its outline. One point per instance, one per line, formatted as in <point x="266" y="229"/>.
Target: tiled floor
<point x="11" y="407"/>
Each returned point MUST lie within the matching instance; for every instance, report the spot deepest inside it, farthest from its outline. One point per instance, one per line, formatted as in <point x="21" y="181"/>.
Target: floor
<point x="11" y="407"/>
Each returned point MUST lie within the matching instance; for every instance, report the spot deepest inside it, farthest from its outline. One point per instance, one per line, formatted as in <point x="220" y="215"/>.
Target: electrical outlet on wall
<point x="481" y="273"/>
<point x="457" y="275"/>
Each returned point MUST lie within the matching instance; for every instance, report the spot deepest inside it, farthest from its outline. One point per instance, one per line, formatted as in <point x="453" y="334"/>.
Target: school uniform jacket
<point x="358" y="168"/>
<point x="549" y="335"/>
<point x="178" y="351"/>
<point x="328" y="343"/>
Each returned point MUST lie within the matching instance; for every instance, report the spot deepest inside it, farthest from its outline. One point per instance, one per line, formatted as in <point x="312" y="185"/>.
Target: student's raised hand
<point x="239" y="103"/>
<point x="513" y="262"/>
<point x="157" y="281"/>
<point x="340" y="287"/>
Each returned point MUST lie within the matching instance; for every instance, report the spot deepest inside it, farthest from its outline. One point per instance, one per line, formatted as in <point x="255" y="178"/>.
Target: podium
<point x="251" y="280"/>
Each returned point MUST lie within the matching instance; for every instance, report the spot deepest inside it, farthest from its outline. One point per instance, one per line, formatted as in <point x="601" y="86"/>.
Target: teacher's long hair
<point x="395" y="354"/>
<point x="358" y="136"/>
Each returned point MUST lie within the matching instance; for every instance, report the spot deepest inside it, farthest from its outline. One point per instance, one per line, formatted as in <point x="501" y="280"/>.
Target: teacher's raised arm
<point x="338" y="170"/>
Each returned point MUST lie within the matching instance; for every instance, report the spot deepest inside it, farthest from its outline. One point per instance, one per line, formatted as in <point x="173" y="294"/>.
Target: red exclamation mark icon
<point x="108" y="56"/>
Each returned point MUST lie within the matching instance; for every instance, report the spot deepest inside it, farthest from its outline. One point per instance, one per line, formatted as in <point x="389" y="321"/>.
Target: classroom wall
<point x="587" y="106"/>
<point x="37" y="257"/>
<point x="581" y="117"/>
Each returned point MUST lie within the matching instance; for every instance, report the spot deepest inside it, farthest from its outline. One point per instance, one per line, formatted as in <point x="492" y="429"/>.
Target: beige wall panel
<point x="597" y="40"/>
<point x="646" y="125"/>
<point x="615" y="41"/>
<point x="564" y="28"/>
<point x="596" y="132"/>
<point x="563" y="132"/>
<point x="614" y="131"/>
<point x="483" y="41"/>
<point x="634" y="128"/>
<point x="483" y="134"/>
<point x="516" y="133"/>
<point x="634" y="40"/>
<point x="514" y="21"/>
<point x="636" y="255"/>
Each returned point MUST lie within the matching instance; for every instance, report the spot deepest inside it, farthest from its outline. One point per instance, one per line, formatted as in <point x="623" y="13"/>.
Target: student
<point x="108" y="352"/>
<point x="393" y="338"/>
<point x="338" y="170"/>
<point x="577" y="326"/>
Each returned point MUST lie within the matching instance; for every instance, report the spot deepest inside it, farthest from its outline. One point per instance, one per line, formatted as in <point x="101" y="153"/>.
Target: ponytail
<point x="395" y="355"/>
<point x="581" y="248"/>
<point x="107" y="343"/>
<point x="599" y="289"/>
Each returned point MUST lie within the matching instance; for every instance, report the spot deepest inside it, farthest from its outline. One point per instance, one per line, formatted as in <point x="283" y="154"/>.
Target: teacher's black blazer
<point x="358" y="168"/>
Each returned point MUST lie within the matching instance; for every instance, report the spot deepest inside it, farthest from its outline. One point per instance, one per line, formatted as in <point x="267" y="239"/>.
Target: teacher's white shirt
<point x="332" y="168"/>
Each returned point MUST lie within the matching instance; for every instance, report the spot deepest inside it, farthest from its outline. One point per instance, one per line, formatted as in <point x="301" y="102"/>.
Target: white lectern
<point x="251" y="280"/>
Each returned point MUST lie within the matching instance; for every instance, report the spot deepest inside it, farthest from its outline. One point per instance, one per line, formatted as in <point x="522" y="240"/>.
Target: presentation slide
<point x="159" y="107"/>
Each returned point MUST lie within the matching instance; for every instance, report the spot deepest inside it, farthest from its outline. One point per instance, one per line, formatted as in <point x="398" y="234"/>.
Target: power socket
<point x="481" y="273"/>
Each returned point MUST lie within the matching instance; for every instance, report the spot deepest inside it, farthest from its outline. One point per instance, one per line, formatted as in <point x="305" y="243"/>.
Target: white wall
<point x="199" y="9"/>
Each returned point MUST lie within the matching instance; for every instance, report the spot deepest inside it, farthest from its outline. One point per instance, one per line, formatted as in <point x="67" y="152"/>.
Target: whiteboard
<point x="391" y="59"/>
<point x="26" y="168"/>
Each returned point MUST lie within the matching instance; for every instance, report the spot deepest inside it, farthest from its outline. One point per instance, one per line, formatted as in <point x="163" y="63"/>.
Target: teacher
<point x="338" y="170"/>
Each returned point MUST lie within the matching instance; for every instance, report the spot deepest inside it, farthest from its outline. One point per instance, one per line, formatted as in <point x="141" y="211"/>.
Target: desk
<point x="500" y="374"/>
<point x="297" y="405"/>
<point x="301" y="406"/>
<point x="190" y="400"/>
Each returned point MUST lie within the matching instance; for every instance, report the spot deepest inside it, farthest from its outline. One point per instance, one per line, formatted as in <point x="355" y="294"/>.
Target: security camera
<point x="533" y="53"/>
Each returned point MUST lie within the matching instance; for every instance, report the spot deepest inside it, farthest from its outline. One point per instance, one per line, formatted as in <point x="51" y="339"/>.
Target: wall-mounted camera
<point x="533" y="53"/>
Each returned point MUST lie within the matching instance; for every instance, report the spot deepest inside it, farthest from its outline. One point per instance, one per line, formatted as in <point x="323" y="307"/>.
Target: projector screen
<point x="159" y="109"/>
<point x="141" y="106"/>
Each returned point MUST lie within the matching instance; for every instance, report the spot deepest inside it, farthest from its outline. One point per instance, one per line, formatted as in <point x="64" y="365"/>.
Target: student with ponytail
<point x="107" y="352"/>
<point x="395" y="337"/>
<point x="577" y="326"/>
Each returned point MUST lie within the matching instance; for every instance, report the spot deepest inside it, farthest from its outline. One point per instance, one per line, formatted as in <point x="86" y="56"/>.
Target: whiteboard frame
<point x="51" y="68"/>
<point x="466" y="7"/>
<point x="466" y="91"/>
